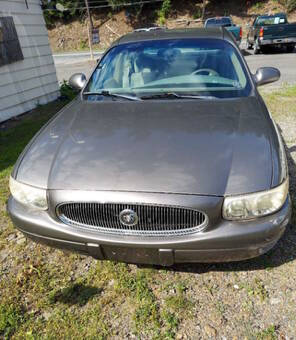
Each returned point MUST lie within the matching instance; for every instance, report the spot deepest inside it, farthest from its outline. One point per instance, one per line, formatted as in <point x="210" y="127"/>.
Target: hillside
<point x="72" y="36"/>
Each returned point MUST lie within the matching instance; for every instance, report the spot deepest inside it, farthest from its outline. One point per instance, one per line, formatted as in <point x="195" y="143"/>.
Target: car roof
<point x="218" y="18"/>
<point x="161" y="34"/>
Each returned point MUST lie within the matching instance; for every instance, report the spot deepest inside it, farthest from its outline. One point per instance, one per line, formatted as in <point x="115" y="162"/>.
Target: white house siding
<point x="25" y="84"/>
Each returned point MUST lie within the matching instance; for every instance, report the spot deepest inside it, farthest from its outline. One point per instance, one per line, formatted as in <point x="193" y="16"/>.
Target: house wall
<point x="25" y="84"/>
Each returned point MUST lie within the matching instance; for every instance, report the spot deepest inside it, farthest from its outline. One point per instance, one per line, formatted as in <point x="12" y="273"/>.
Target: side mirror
<point x="77" y="81"/>
<point x="266" y="75"/>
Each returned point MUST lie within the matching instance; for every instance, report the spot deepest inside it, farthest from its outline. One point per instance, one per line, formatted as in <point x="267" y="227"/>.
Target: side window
<point x="10" y="49"/>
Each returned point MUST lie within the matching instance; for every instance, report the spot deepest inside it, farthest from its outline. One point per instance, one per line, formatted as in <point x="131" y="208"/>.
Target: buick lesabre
<point x="167" y="155"/>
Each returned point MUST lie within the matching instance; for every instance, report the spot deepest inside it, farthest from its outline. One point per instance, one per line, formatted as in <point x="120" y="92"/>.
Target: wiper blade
<point x="174" y="95"/>
<point x="110" y="94"/>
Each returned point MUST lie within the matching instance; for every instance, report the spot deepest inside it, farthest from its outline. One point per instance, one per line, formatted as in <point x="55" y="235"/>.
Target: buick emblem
<point x="128" y="217"/>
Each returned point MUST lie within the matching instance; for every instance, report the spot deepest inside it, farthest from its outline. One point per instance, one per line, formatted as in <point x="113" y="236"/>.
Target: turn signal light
<point x="261" y="33"/>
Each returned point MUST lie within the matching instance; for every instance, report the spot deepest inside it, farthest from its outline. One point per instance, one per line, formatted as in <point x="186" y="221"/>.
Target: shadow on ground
<point x="76" y="294"/>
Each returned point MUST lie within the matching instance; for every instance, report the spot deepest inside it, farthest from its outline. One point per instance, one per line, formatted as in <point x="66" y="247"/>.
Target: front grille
<point x="153" y="220"/>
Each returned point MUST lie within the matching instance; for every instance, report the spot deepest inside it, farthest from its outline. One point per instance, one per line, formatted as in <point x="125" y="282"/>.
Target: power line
<point x="105" y="6"/>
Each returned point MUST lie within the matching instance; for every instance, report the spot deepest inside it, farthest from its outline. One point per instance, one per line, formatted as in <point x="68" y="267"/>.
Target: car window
<point x="273" y="20"/>
<point x="201" y="66"/>
<point x="225" y="22"/>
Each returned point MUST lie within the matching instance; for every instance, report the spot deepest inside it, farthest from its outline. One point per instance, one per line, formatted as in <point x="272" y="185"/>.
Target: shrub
<point x="163" y="13"/>
<point x="289" y="4"/>
<point x="66" y="91"/>
<point x="51" y="14"/>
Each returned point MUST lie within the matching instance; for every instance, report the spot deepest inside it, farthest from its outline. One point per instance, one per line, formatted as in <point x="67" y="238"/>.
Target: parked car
<point x="167" y="155"/>
<point x="271" y="31"/>
<point x="226" y="22"/>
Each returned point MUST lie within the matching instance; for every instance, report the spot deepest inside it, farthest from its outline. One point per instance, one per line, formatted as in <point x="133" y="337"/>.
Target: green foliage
<point x="197" y="14"/>
<point x="66" y="91"/>
<point x="291" y="5"/>
<point x="10" y="317"/>
<point x="163" y="13"/>
<point x="83" y="44"/>
<point x="257" y="6"/>
<point x="268" y="333"/>
<point x="166" y="7"/>
<point x="116" y="3"/>
<point x="51" y="14"/>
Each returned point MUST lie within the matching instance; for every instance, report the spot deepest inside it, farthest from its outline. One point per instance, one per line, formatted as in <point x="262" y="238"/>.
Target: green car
<point x="271" y="31"/>
<point x="226" y="22"/>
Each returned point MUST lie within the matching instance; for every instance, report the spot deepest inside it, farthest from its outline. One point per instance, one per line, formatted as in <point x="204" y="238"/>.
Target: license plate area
<point x="131" y="255"/>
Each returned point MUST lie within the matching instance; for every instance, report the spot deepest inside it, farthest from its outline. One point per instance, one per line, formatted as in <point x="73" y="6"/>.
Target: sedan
<point x="167" y="155"/>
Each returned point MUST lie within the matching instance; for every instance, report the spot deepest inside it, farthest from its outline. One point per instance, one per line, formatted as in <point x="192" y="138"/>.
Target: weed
<point x="268" y="333"/>
<point x="83" y="44"/>
<point x="257" y="289"/>
<point x="10" y="318"/>
<point x="170" y="324"/>
<point x="67" y="91"/>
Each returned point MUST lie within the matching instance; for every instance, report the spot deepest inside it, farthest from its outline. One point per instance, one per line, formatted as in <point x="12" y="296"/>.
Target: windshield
<point x="225" y="22"/>
<point x="271" y="20"/>
<point x="205" y="67"/>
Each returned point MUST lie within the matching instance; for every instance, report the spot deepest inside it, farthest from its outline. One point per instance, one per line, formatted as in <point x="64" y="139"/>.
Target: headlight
<point x="27" y="195"/>
<point x="244" y="207"/>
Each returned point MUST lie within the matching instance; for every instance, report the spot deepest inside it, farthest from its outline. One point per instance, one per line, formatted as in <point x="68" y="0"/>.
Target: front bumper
<point x="222" y="242"/>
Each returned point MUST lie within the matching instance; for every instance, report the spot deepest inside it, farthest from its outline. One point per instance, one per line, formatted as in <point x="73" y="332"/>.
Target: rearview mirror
<point x="266" y="75"/>
<point x="77" y="81"/>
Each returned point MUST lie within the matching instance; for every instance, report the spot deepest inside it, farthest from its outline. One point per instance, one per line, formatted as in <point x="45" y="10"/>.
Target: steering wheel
<point x="209" y="70"/>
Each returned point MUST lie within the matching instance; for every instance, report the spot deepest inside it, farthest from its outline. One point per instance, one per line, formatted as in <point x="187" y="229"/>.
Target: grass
<point x="280" y="102"/>
<point x="47" y="293"/>
<point x="267" y="334"/>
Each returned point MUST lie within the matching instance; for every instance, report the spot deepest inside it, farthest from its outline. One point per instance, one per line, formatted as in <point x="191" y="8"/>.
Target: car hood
<point x="201" y="147"/>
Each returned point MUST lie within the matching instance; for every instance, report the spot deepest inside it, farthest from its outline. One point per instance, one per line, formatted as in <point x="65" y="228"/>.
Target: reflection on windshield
<point x="206" y="67"/>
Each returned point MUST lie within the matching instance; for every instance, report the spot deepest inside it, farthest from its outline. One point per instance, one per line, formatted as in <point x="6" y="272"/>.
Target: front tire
<point x="290" y="48"/>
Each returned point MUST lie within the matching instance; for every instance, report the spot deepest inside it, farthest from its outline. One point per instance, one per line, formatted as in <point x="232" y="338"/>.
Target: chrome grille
<point x="153" y="220"/>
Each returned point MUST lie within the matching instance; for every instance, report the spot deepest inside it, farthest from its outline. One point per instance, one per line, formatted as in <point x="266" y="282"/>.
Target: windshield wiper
<point x="174" y="95"/>
<point x="110" y="94"/>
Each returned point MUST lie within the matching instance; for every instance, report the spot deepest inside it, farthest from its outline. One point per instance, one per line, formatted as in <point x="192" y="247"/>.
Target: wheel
<point x="256" y="47"/>
<point x="290" y="48"/>
<point x="249" y="45"/>
<point x="265" y="49"/>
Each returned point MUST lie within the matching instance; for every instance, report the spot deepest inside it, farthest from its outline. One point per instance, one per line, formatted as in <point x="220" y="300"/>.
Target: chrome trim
<point x="183" y="220"/>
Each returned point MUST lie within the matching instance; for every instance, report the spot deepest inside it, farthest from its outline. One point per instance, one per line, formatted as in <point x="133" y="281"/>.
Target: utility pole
<point x="204" y="4"/>
<point x="90" y="30"/>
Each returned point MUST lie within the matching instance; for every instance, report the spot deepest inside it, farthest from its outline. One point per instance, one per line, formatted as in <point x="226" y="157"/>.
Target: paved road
<point x="67" y="64"/>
